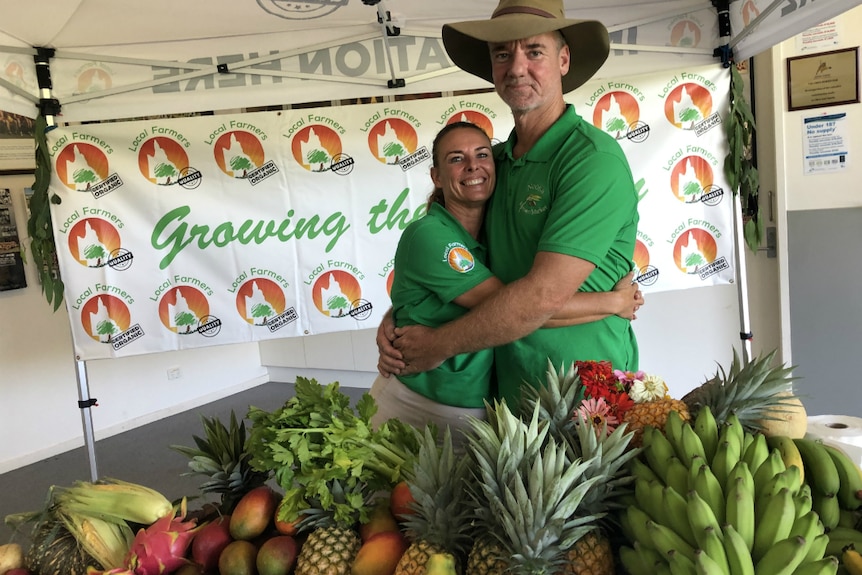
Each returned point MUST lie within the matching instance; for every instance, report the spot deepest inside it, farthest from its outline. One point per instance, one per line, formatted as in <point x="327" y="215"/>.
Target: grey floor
<point x="142" y="455"/>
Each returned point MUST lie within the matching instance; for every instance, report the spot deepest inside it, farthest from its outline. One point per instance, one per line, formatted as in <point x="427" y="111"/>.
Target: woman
<point x="440" y="273"/>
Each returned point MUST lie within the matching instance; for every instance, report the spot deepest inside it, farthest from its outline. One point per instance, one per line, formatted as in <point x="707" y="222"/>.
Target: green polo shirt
<point x="435" y="262"/>
<point x="572" y="193"/>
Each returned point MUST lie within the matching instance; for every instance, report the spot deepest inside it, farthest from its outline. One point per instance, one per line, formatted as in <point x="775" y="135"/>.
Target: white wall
<point x="39" y="416"/>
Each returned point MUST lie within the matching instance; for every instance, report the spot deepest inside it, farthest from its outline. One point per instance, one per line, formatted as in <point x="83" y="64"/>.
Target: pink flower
<point x="599" y="413"/>
<point x="627" y="378"/>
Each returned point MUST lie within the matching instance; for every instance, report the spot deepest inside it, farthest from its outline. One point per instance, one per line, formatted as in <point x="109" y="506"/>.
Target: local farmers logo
<point x="618" y="113"/>
<point x="16" y="73"/>
<point x="695" y="251"/>
<point x="392" y="140"/>
<point x="749" y="12"/>
<point x="106" y="319"/>
<point x="459" y="258"/>
<point x="305" y="10"/>
<point x="645" y="274"/>
<point x="473" y="117"/>
<point x="163" y="161"/>
<point x="95" y="243"/>
<point x="317" y="148"/>
<point x="691" y="181"/>
<point x="685" y="33"/>
<point x="185" y="310"/>
<point x="337" y="293"/>
<point x="84" y="167"/>
<point x="687" y="105"/>
<point x="388" y="272"/>
<point x="94" y="77"/>
<point x="259" y="301"/>
<point x="238" y="153"/>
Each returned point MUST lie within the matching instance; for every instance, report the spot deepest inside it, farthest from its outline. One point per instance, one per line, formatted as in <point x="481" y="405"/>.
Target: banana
<point x="637" y="521"/>
<point x="740" y="511"/>
<point x="782" y="558"/>
<point x="706" y="565"/>
<point x="826" y="566"/>
<point x="680" y="564"/>
<point x="788" y="478"/>
<point x="789" y="453"/>
<point x="715" y="548"/>
<point x="657" y="450"/>
<point x="734" y="431"/>
<point x="756" y="453"/>
<point x="676" y="475"/>
<point x="700" y="516"/>
<point x="641" y="470"/>
<point x="673" y="431"/>
<point x="778" y="515"/>
<point x="738" y="554"/>
<point x="708" y="487"/>
<point x="772" y="466"/>
<point x="852" y="560"/>
<point x="740" y="470"/>
<point x="726" y="457"/>
<point x="632" y="562"/>
<point x="694" y="469"/>
<point x="706" y="429"/>
<point x="647" y="555"/>
<point x="644" y="498"/>
<point x="819" y="467"/>
<point x="827" y="508"/>
<point x="841" y="537"/>
<point x="848" y="518"/>
<point x="817" y="549"/>
<point x="746" y="441"/>
<point x="808" y="526"/>
<point x="692" y="446"/>
<point x="676" y="514"/>
<point x="666" y="539"/>
<point x="803" y="501"/>
<point x="848" y="474"/>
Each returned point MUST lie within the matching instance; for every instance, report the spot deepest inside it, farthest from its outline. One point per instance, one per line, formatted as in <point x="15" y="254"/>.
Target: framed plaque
<point x="823" y="79"/>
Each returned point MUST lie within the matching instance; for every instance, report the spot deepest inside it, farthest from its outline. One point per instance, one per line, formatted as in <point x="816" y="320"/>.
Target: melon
<point x="789" y="419"/>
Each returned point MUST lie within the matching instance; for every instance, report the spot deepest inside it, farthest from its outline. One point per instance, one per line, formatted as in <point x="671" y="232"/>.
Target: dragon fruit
<point x="161" y="547"/>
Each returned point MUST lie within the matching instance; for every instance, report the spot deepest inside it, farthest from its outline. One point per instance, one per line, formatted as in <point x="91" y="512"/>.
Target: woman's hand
<point x="631" y="296"/>
<point x="390" y="361"/>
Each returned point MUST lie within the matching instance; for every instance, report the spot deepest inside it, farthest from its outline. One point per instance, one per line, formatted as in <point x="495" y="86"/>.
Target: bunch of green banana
<point x="709" y="498"/>
<point x="835" y="481"/>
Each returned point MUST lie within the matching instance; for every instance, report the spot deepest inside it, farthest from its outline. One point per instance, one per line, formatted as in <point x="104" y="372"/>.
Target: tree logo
<point x="237" y="153"/>
<point x="93" y="241"/>
<point x="473" y="117"/>
<point x="94" y="78"/>
<point x="690" y="177"/>
<point x="259" y="300"/>
<point x="615" y="112"/>
<point x="182" y="309"/>
<point x="162" y="160"/>
<point x="316" y="147"/>
<point x="104" y="317"/>
<point x="305" y="10"/>
<point x="749" y="12"/>
<point x="687" y="105"/>
<point x="391" y="139"/>
<point x="694" y="249"/>
<point x="685" y="34"/>
<point x="81" y="166"/>
<point x="334" y="291"/>
<point x="459" y="258"/>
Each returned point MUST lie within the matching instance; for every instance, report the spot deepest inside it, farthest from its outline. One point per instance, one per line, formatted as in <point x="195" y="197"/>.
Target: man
<point x="564" y="214"/>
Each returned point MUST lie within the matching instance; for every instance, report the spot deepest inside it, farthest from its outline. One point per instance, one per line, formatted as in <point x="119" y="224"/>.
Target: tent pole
<point x="50" y="107"/>
<point x="745" y="334"/>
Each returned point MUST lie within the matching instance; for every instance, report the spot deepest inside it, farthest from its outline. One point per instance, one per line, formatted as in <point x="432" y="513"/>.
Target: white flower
<point x="650" y="388"/>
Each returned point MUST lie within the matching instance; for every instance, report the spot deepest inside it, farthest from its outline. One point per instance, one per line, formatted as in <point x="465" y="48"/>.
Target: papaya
<point x="254" y="513"/>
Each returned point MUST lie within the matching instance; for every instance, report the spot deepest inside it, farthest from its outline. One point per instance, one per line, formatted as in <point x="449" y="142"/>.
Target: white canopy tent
<point x="112" y="59"/>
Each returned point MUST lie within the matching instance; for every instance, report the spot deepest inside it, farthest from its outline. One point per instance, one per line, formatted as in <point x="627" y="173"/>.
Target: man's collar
<point x="548" y="144"/>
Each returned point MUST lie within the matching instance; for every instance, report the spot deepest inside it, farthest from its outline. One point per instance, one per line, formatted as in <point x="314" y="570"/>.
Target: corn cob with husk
<point x="105" y="541"/>
<point x="114" y="500"/>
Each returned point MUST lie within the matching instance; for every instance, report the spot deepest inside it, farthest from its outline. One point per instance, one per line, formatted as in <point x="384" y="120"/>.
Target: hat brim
<point x="467" y="43"/>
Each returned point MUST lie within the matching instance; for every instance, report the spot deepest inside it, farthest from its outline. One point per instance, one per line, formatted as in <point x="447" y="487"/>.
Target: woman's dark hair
<point x="436" y="196"/>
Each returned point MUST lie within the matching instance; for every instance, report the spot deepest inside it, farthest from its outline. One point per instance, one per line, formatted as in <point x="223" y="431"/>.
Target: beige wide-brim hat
<point x="467" y="42"/>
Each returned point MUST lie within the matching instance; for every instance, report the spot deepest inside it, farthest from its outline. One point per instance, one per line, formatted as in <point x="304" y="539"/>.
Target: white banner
<point x="191" y="232"/>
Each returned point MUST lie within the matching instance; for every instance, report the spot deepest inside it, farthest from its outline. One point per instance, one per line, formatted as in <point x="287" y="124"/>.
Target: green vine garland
<point x="39" y="227"/>
<point x="739" y="165"/>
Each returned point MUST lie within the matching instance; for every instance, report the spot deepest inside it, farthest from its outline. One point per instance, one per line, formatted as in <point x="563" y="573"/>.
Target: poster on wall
<point x="11" y="264"/>
<point x="192" y="232"/>
<point x="825" y="144"/>
<point x="17" y="147"/>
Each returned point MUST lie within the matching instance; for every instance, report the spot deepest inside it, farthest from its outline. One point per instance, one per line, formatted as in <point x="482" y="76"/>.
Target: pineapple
<point x="224" y="458"/>
<point x="755" y="392"/>
<point x="531" y="492"/>
<point x="441" y="518"/>
<point x="608" y="456"/>
<point x="653" y="414"/>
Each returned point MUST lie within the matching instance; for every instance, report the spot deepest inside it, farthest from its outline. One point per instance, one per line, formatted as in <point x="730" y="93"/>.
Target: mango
<point x="253" y="513"/>
<point x="380" y="519"/>
<point x="380" y="554"/>
<point x="400" y="500"/>
<point x="210" y="541"/>
<point x="238" y="558"/>
<point x="277" y="555"/>
<point x="282" y="526"/>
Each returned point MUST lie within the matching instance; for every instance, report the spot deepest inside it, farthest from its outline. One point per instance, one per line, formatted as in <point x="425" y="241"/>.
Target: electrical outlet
<point x="174" y="373"/>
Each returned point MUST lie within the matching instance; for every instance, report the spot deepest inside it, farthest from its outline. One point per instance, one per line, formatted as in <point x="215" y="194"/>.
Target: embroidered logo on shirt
<point x="459" y="258"/>
<point x="534" y="202"/>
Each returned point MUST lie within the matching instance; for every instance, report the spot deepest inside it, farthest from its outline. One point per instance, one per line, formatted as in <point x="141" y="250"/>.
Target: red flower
<point x="600" y="382"/>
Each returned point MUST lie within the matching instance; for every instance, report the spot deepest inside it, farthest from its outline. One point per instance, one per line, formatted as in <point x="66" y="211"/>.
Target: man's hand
<point x="391" y="361"/>
<point x="633" y="298"/>
<point x="416" y="343"/>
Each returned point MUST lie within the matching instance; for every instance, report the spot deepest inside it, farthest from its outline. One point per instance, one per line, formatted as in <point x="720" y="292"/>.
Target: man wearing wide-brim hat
<point x="564" y="213"/>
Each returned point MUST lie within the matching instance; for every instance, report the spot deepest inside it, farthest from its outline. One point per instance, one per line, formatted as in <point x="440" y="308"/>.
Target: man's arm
<point x="514" y="311"/>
